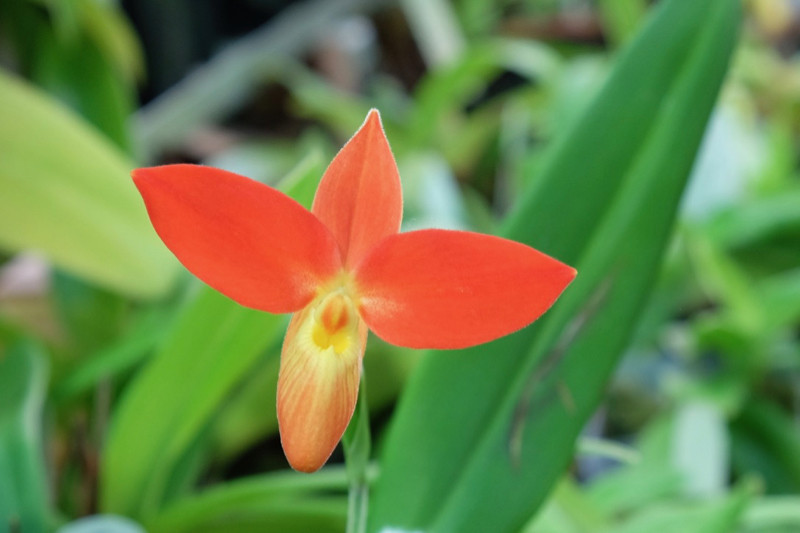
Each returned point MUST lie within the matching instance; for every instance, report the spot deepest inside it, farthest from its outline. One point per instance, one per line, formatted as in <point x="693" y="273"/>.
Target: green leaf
<point x="481" y="436"/>
<point x="324" y="514"/>
<point x="286" y="502"/>
<point x="214" y="343"/>
<point x="23" y="481"/>
<point x="65" y="190"/>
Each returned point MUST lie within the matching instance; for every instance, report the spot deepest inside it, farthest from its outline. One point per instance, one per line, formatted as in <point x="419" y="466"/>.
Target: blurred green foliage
<point x="662" y="392"/>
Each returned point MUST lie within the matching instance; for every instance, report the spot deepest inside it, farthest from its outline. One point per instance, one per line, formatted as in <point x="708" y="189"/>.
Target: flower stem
<point x="356" y="444"/>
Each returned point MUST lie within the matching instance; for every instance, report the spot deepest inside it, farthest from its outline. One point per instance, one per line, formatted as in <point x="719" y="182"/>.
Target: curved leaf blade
<point x="65" y="190"/>
<point x="283" y="501"/>
<point x="500" y="420"/>
<point x="214" y="342"/>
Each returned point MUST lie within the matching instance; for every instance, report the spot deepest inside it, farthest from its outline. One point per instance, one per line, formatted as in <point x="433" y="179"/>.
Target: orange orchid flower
<point x="343" y="268"/>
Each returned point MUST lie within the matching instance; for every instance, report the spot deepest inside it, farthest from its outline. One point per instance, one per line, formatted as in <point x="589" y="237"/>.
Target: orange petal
<point x="319" y="377"/>
<point x="247" y="240"/>
<point x="454" y="289"/>
<point x="359" y="197"/>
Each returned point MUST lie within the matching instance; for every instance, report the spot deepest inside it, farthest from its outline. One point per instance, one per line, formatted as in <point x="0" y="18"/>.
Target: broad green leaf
<point x="481" y="436"/>
<point x="286" y="502"/>
<point x="65" y="190"/>
<point x="323" y="514"/>
<point x="213" y="344"/>
<point x="23" y="481"/>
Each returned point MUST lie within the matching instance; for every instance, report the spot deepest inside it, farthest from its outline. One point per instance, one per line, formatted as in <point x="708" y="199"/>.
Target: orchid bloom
<point x="342" y="269"/>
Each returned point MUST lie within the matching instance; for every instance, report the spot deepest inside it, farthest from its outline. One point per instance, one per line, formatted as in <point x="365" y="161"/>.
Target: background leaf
<point x="215" y="341"/>
<point x="53" y="168"/>
<point x="24" y="502"/>
<point x="287" y="502"/>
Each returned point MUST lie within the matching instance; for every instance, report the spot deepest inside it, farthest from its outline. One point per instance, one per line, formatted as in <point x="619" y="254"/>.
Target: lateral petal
<point x="318" y="380"/>
<point x="454" y="289"/>
<point x="359" y="197"/>
<point x="247" y="240"/>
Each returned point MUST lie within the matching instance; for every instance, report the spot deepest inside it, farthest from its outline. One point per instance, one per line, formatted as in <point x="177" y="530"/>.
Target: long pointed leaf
<point x="482" y="435"/>
<point x="279" y="498"/>
<point x="213" y="344"/>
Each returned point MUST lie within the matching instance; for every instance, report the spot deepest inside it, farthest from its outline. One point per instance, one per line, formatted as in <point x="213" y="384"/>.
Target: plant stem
<point x="356" y="443"/>
<point x="357" y="506"/>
